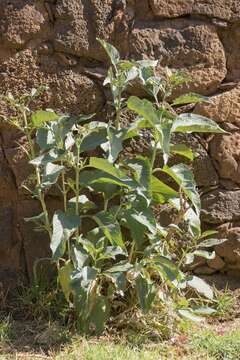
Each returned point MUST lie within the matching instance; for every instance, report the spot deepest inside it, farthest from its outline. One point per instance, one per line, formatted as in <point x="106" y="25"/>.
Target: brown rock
<point x="231" y="42"/>
<point x="204" y="172"/>
<point x="220" y="9"/>
<point x="21" y="21"/>
<point x="217" y="263"/>
<point x="220" y="206"/>
<point x="193" y="47"/>
<point x="36" y="244"/>
<point x="225" y="151"/>
<point x="10" y="254"/>
<point x="204" y="270"/>
<point x="91" y="19"/>
<point x="223" y="107"/>
<point x="69" y="91"/>
<point x="230" y="249"/>
<point x="18" y="162"/>
<point x="172" y="8"/>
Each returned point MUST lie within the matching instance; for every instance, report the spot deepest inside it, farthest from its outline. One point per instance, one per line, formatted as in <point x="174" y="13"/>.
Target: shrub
<point x="125" y="256"/>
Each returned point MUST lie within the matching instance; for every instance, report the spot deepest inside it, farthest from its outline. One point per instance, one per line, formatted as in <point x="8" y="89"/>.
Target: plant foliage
<point x="124" y="257"/>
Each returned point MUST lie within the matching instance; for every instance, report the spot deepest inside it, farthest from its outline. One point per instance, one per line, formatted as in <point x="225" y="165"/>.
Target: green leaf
<point x="51" y="156"/>
<point x="165" y="130"/>
<point x="100" y="313"/>
<point x="41" y="117"/>
<point x="211" y="242"/>
<point x="190" y="98"/>
<point x="102" y="182"/>
<point x="138" y="222"/>
<point x="159" y="187"/>
<point x="143" y="108"/>
<point x="64" y="226"/>
<point x="106" y="166"/>
<point x="167" y="269"/>
<point x="200" y="286"/>
<point x="189" y="123"/>
<point x="122" y="266"/>
<point x="184" y="178"/>
<point x="112" y="52"/>
<point x="146" y="293"/>
<point x="208" y="233"/>
<point x="183" y="150"/>
<point x="38" y="219"/>
<point x="204" y="310"/>
<point x="114" y="145"/>
<point x="64" y="277"/>
<point x="205" y="254"/>
<point x="51" y="174"/>
<point x="190" y="315"/>
<point x="45" y="138"/>
<point x="142" y="171"/>
<point x="80" y="257"/>
<point x="201" y="253"/>
<point x="194" y="222"/>
<point x="84" y="203"/>
<point x="110" y="227"/>
<point x="95" y="138"/>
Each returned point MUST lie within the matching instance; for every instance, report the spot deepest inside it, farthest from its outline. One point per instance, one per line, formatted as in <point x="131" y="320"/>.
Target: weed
<point x="111" y="254"/>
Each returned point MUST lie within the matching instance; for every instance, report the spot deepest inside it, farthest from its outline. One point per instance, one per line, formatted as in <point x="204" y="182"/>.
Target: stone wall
<point x="53" y="42"/>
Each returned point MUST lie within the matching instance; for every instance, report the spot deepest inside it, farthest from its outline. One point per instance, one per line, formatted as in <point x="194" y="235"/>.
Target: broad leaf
<point x="138" y="222"/>
<point x="51" y="156"/>
<point x="184" y="178"/>
<point x="200" y="286"/>
<point x="99" y="314"/>
<point x="160" y="188"/>
<point x="112" y="52"/>
<point x="183" y="150"/>
<point x="45" y="138"/>
<point x="189" y="123"/>
<point x="143" y="108"/>
<point x="142" y="171"/>
<point x="114" y="145"/>
<point x="110" y="227"/>
<point x="211" y="242"/>
<point x="95" y="138"/>
<point x="190" y="98"/>
<point x="80" y="257"/>
<point x="84" y="203"/>
<point x="190" y="315"/>
<point x="146" y="293"/>
<point x="51" y="174"/>
<point x="64" y="226"/>
<point x="64" y="277"/>
<point x="99" y="178"/>
<point x="106" y="166"/>
<point x="40" y="117"/>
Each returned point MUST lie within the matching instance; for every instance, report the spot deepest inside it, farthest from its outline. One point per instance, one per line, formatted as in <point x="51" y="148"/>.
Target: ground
<point x="218" y="338"/>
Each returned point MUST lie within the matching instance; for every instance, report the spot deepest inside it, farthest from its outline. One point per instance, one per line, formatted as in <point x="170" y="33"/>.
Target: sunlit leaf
<point x="189" y="123"/>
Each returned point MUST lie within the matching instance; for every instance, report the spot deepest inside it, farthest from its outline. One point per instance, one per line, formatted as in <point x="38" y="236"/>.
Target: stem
<point x="38" y="175"/>
<point x="154" y="154"/>
<point x="77" y="180"/>
<point x="131" y="253"/>
<point x="64" y="191"/>
<point x="105" y="204"/>
<point x="118" y="113"/>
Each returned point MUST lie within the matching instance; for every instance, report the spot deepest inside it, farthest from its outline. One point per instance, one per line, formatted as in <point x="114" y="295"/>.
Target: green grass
<point x="5" y="328"/>
<point x="219" y="345"/>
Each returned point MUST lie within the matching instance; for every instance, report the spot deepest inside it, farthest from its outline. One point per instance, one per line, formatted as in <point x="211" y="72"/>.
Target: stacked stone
<point x="53" y="42"/>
